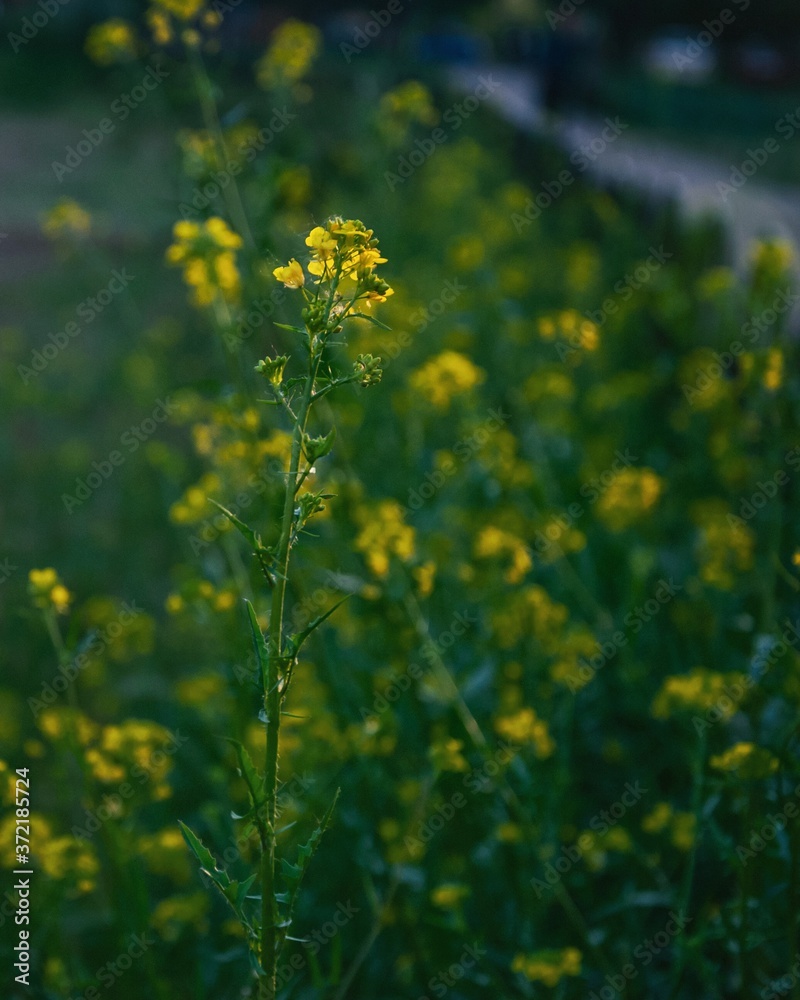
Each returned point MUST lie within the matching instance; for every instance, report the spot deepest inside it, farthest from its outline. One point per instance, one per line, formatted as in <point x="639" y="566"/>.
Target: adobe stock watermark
<point x="786" y="127"/>
<point x="7" y="570"/>
<point x="644" y="954"/>
<point x="583" y="158"/>
<point x="431" y="651"/>
<point x="626" y="286"/>
<point x="203" y="195"/>
<point x="30" y="27"/>
<point x="599" y="825"/>
<point x="454" y="117"/>
<point x="87" y="311"/>
<point x="477" y="780"/>
<point x="775" y="823"/>
<point x="592" y="490"/>
<point x="120" y="109"/>
<point x="131" y="440"/>
<point x="564" y="10"/>
<point x="68" y="672"/>
<point x="464" y="450"/>
<point x="635" y="621"/>
<point x="256" y="316"/>
<point x="771" y="650"/>
<point x="765" y="490"/>
<point x="364" y="35"/>
<point x="712" y="29"/>
<point x="316" y="940"/>
<point x="784" y="986"/>
<point x="445" y="980"/>
<point x="753" y="330"/>
<point x="421" y="319"/>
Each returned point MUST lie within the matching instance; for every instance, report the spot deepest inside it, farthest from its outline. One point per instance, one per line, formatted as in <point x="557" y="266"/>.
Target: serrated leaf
<point x="205" y="857"/>
<point x="249" y="772"/>
<point x="262" y="654"/>
<point x="291" y="871"/>
<point x="296" y="641"/>
<point x="249" y="534"/>
<point x="305" y="853"/>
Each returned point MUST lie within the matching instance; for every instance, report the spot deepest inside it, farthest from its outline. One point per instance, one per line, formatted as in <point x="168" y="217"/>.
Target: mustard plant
<point x="338" y="284"/>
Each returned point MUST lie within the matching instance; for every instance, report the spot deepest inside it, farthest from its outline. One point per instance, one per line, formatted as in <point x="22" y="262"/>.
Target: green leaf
<point x="249" y="534"/>
<point x="206" y="858"/>
<point x="252" y="778"/>
<point x="293" y="329"/>
<point x="305" y="853"/>
<point x="296" y="641"/>
<point x="260" y="645"/>
<point x="372" y="320"/>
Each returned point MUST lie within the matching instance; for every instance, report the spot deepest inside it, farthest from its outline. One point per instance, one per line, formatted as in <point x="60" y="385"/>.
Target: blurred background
<point x="570" y="507"/>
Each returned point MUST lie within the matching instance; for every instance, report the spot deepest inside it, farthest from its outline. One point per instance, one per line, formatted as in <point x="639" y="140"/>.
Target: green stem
<point x="272" y="697"/>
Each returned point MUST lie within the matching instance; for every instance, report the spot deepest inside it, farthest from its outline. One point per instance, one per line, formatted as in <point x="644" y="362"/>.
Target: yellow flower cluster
<point x="496" y="543"/>
<point x="137" y="748"/>
<point x="112" y="41"/>
<point x="408" y="104"/>
<point x="698" y="691"/>
<point x="746" y="760"/>
<point x="530" y="612"/>
<point x="293" y="48"/>
<point x="384" y="534"/>
<point x="66" y="219"/>
<point x="549" y="966"/>
<point x="580" y="333"/>
<point x="164" y="853"/>
<point x="446" y="376"/>
<point x="773" y="370"/>
<point x="207" y="253"/>
<point x="526" y="728"/>
<point x="631" y="495"/>
<point x="446" y="755"/>
<point x="176" y="915"/>
<point x="679" y="825"/>
<point x="47" y="591"/>
<point x="449" y="895"/>
<point x="345" y="254"/>
<point x="726" y="547"/>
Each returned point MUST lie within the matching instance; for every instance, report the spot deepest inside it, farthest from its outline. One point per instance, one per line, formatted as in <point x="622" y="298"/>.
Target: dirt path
<point x="614" y="154"/>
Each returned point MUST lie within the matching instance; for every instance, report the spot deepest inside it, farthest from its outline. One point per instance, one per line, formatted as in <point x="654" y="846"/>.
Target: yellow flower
<point x="112" y="41"/>
<point x="185" y="10"/>
<point x="699" y="691"/>
<point x="773" y="373"/>
<point x="525" y="727"/>
<point x="383" y="535"/>
<point x="548" y="966"/>
<point x="291" y="275"/>
<point x="66" y="218"/>
<point x="293" y="48"/>
<point x="448" y="896"/>
<point x="746" y="760"/>
<point x="494" y="542"/>
<point x="630" y="496"/>
<point x="447" y="756"/>
<point x="47" y="590"/>
<point x="446" y="376"/>
<point x="206" y="252"/>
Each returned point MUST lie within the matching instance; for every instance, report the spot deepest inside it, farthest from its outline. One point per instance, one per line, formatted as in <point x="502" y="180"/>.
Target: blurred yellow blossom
<point x="293" y="47"/>
<point x="549" y="966"/>
<point x="444" y="377"/>
<point x="112" y="41"/>
<point x="746" y="760"/>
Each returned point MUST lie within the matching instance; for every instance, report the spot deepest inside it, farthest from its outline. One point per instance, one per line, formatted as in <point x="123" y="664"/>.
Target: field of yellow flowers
<point x="522" y="484"/>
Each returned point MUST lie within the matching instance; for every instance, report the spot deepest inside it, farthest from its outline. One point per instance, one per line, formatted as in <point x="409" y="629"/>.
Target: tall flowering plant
<point x="338" y="283"/>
